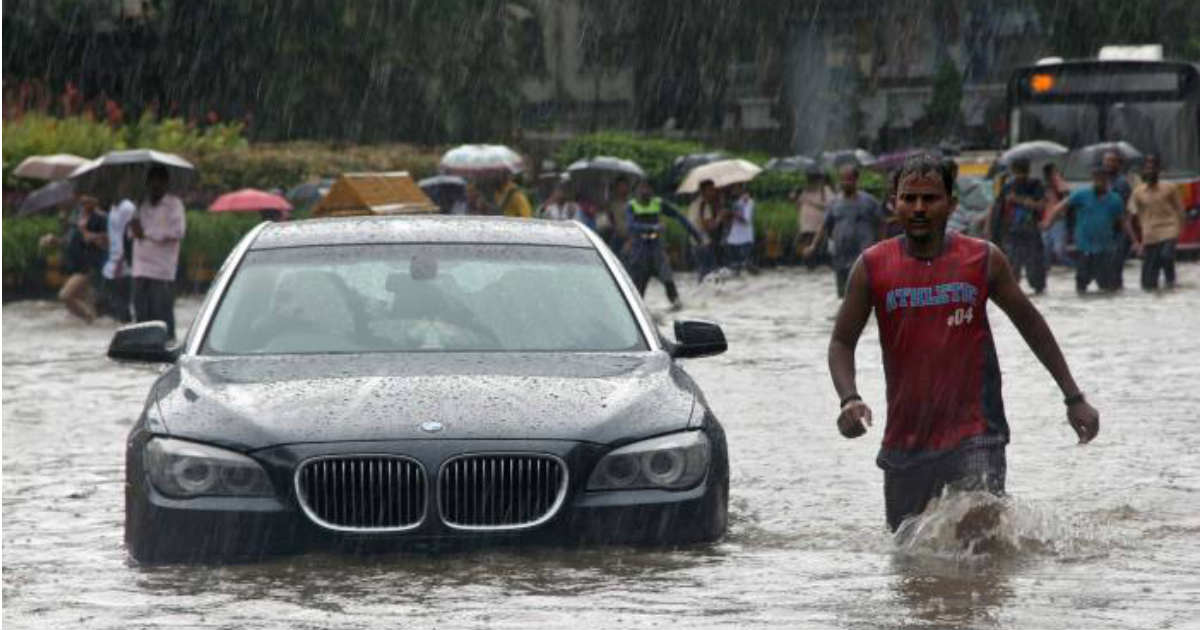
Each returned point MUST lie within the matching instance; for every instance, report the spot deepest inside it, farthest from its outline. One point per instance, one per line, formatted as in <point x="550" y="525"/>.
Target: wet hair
<point x="926" y="164"/>
<point x="158" y="171"/>
<point x="1020" y="165"/>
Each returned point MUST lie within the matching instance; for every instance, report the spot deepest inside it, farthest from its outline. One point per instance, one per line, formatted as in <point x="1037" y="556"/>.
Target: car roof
<point x="362" y="230"/>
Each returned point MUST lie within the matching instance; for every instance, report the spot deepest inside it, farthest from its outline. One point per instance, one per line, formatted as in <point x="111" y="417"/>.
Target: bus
<point x="1152" y="104"/>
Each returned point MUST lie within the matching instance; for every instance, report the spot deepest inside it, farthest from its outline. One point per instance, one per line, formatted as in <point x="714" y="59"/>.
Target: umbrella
<point x="1032" y="150"/>
<point x="444" y="189"/>
<point x="47" y="196"/>
<point x="792" y="163"/>
<point x="481" y="160"/>
<point x="249" y="200"/>
<point x="605" y="166"/>
<point x="842" y="157"/>
<point x="723" y="173"/>
<point x="309" y="192"/>
<point x="1093" y="154"/>
<point x="55" y="166"/>
<point x="131" y="166"/>
<point x="685" y="163"/>
<point x="437" y="183"/>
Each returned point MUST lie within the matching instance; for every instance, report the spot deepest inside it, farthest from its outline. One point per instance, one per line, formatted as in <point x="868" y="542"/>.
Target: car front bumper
<point x="162" y="528"/>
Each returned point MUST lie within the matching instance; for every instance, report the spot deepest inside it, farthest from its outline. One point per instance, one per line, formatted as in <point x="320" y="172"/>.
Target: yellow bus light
<point x="1041" y="82"/>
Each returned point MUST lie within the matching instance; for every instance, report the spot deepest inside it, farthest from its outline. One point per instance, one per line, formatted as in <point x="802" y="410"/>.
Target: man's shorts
<point x="971" y="467"/>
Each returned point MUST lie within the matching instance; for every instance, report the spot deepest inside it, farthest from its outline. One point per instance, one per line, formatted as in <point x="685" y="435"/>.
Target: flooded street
<point x="1102" y="536"/>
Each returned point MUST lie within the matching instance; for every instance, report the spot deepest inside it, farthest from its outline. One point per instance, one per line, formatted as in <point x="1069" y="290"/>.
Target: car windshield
<point x="422" y="297"/>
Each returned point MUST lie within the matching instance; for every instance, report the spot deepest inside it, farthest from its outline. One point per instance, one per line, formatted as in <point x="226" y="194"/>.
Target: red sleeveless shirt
<point x="943" y="379"/>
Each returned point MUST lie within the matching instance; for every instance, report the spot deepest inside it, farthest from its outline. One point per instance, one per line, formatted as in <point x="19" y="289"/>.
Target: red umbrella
<point x="249" y="200"/>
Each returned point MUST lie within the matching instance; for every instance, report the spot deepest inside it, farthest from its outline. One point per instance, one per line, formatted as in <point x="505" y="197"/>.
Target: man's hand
<point x="1085" y="420"/>
<point x="854" y="419"/>
<point x="135" y="226"/>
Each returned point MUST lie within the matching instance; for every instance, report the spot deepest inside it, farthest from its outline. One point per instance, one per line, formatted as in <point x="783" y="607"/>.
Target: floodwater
<point x="1102" y="536"/>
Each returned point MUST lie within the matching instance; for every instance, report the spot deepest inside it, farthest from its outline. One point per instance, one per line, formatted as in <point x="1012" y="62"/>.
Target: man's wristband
<point x="851" y="398"/>
<point x="1073" y="399"/>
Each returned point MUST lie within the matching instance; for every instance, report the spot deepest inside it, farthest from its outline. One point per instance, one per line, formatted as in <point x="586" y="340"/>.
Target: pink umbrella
<point x="249" y="200"/>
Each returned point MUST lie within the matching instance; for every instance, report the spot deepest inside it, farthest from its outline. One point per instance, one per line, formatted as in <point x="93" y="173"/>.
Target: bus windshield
<point x="1086" y="103"/>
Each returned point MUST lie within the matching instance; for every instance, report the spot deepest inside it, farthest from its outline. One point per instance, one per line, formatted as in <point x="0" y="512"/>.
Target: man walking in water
<point x="648" y="257"/>
<point x="929" y="290"/>
<point x="854" y="221"/>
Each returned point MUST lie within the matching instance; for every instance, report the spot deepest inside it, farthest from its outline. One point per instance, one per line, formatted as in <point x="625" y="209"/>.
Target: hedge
<point x="283" y="165"/>
<point x="37" y="134"/>
<point x="223" y="157"/>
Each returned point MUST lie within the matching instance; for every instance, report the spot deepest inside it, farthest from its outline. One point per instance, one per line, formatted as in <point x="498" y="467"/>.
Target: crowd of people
<point x="718" y="221"/>
<point x="1031" y="218"/>
<point x="122" y="262"/>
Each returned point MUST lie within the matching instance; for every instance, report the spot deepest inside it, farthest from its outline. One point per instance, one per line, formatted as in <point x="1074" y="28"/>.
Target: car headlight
<point x="186" y="469"/>
<point x="674" y="461"/>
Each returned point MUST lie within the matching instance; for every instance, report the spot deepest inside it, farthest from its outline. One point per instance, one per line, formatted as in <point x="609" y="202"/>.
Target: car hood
<point x="255" y="402"/>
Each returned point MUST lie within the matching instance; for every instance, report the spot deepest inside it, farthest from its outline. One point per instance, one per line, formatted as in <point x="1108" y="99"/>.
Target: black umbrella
<point x="46" y="197"/>
<point x="843" y="157"/>
<point x="685" y="163"/>
<point x="103" y="174"/>
<point x="309" y="192"/>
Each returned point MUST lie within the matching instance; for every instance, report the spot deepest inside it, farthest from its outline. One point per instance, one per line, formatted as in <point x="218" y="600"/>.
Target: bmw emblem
<point x="431" y="427"/>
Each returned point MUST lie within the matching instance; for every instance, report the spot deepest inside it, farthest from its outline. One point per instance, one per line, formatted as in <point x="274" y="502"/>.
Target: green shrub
<point x="267" y="166"/>
<point x="39" y="134"/>
<point x="654" y="155"/>
<point x="212" y="235"/>
<point x="20" y="237"/>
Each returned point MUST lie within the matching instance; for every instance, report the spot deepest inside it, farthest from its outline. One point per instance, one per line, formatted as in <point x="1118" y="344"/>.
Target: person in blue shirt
<point x="648" y="256"/>
<point x="1099" y="212"/>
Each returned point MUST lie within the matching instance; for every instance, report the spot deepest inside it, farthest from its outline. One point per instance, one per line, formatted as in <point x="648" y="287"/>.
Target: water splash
<point x="976" y="526"/>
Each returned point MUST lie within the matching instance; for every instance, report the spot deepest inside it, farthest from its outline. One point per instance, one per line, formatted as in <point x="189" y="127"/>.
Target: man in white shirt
<point x="739" y="241"/>
<point x="117" y="284"/>
<point x="157" y="227"/>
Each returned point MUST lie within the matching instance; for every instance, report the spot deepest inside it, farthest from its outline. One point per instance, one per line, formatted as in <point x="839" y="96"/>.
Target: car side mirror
<point x="145" y="342"/>
<point x="695" y="338"/>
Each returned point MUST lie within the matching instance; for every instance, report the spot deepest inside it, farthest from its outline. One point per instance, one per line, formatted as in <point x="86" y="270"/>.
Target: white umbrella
<point x="131" y="166"/>
<point x="55" y="166"/>
<point x="723" y="173"/>
<point x="606" y="165"/>
<point x="481" y="160"/>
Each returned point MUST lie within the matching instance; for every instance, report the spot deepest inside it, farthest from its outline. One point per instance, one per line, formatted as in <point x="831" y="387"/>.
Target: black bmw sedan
<point x="369" y="382"/>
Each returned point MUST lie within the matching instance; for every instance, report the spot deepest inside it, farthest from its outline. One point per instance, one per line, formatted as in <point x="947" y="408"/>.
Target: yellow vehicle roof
<point x="392" y="192"/>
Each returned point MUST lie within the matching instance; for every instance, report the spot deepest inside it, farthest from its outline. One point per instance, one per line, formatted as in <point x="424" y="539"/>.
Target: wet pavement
<point x="1102" y="536"/>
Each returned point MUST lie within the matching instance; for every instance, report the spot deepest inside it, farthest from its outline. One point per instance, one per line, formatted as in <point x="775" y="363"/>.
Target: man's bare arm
<point x="851" y="317"/>
<point x="1007" y="294"/>
<point x="1053" y="212"/>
